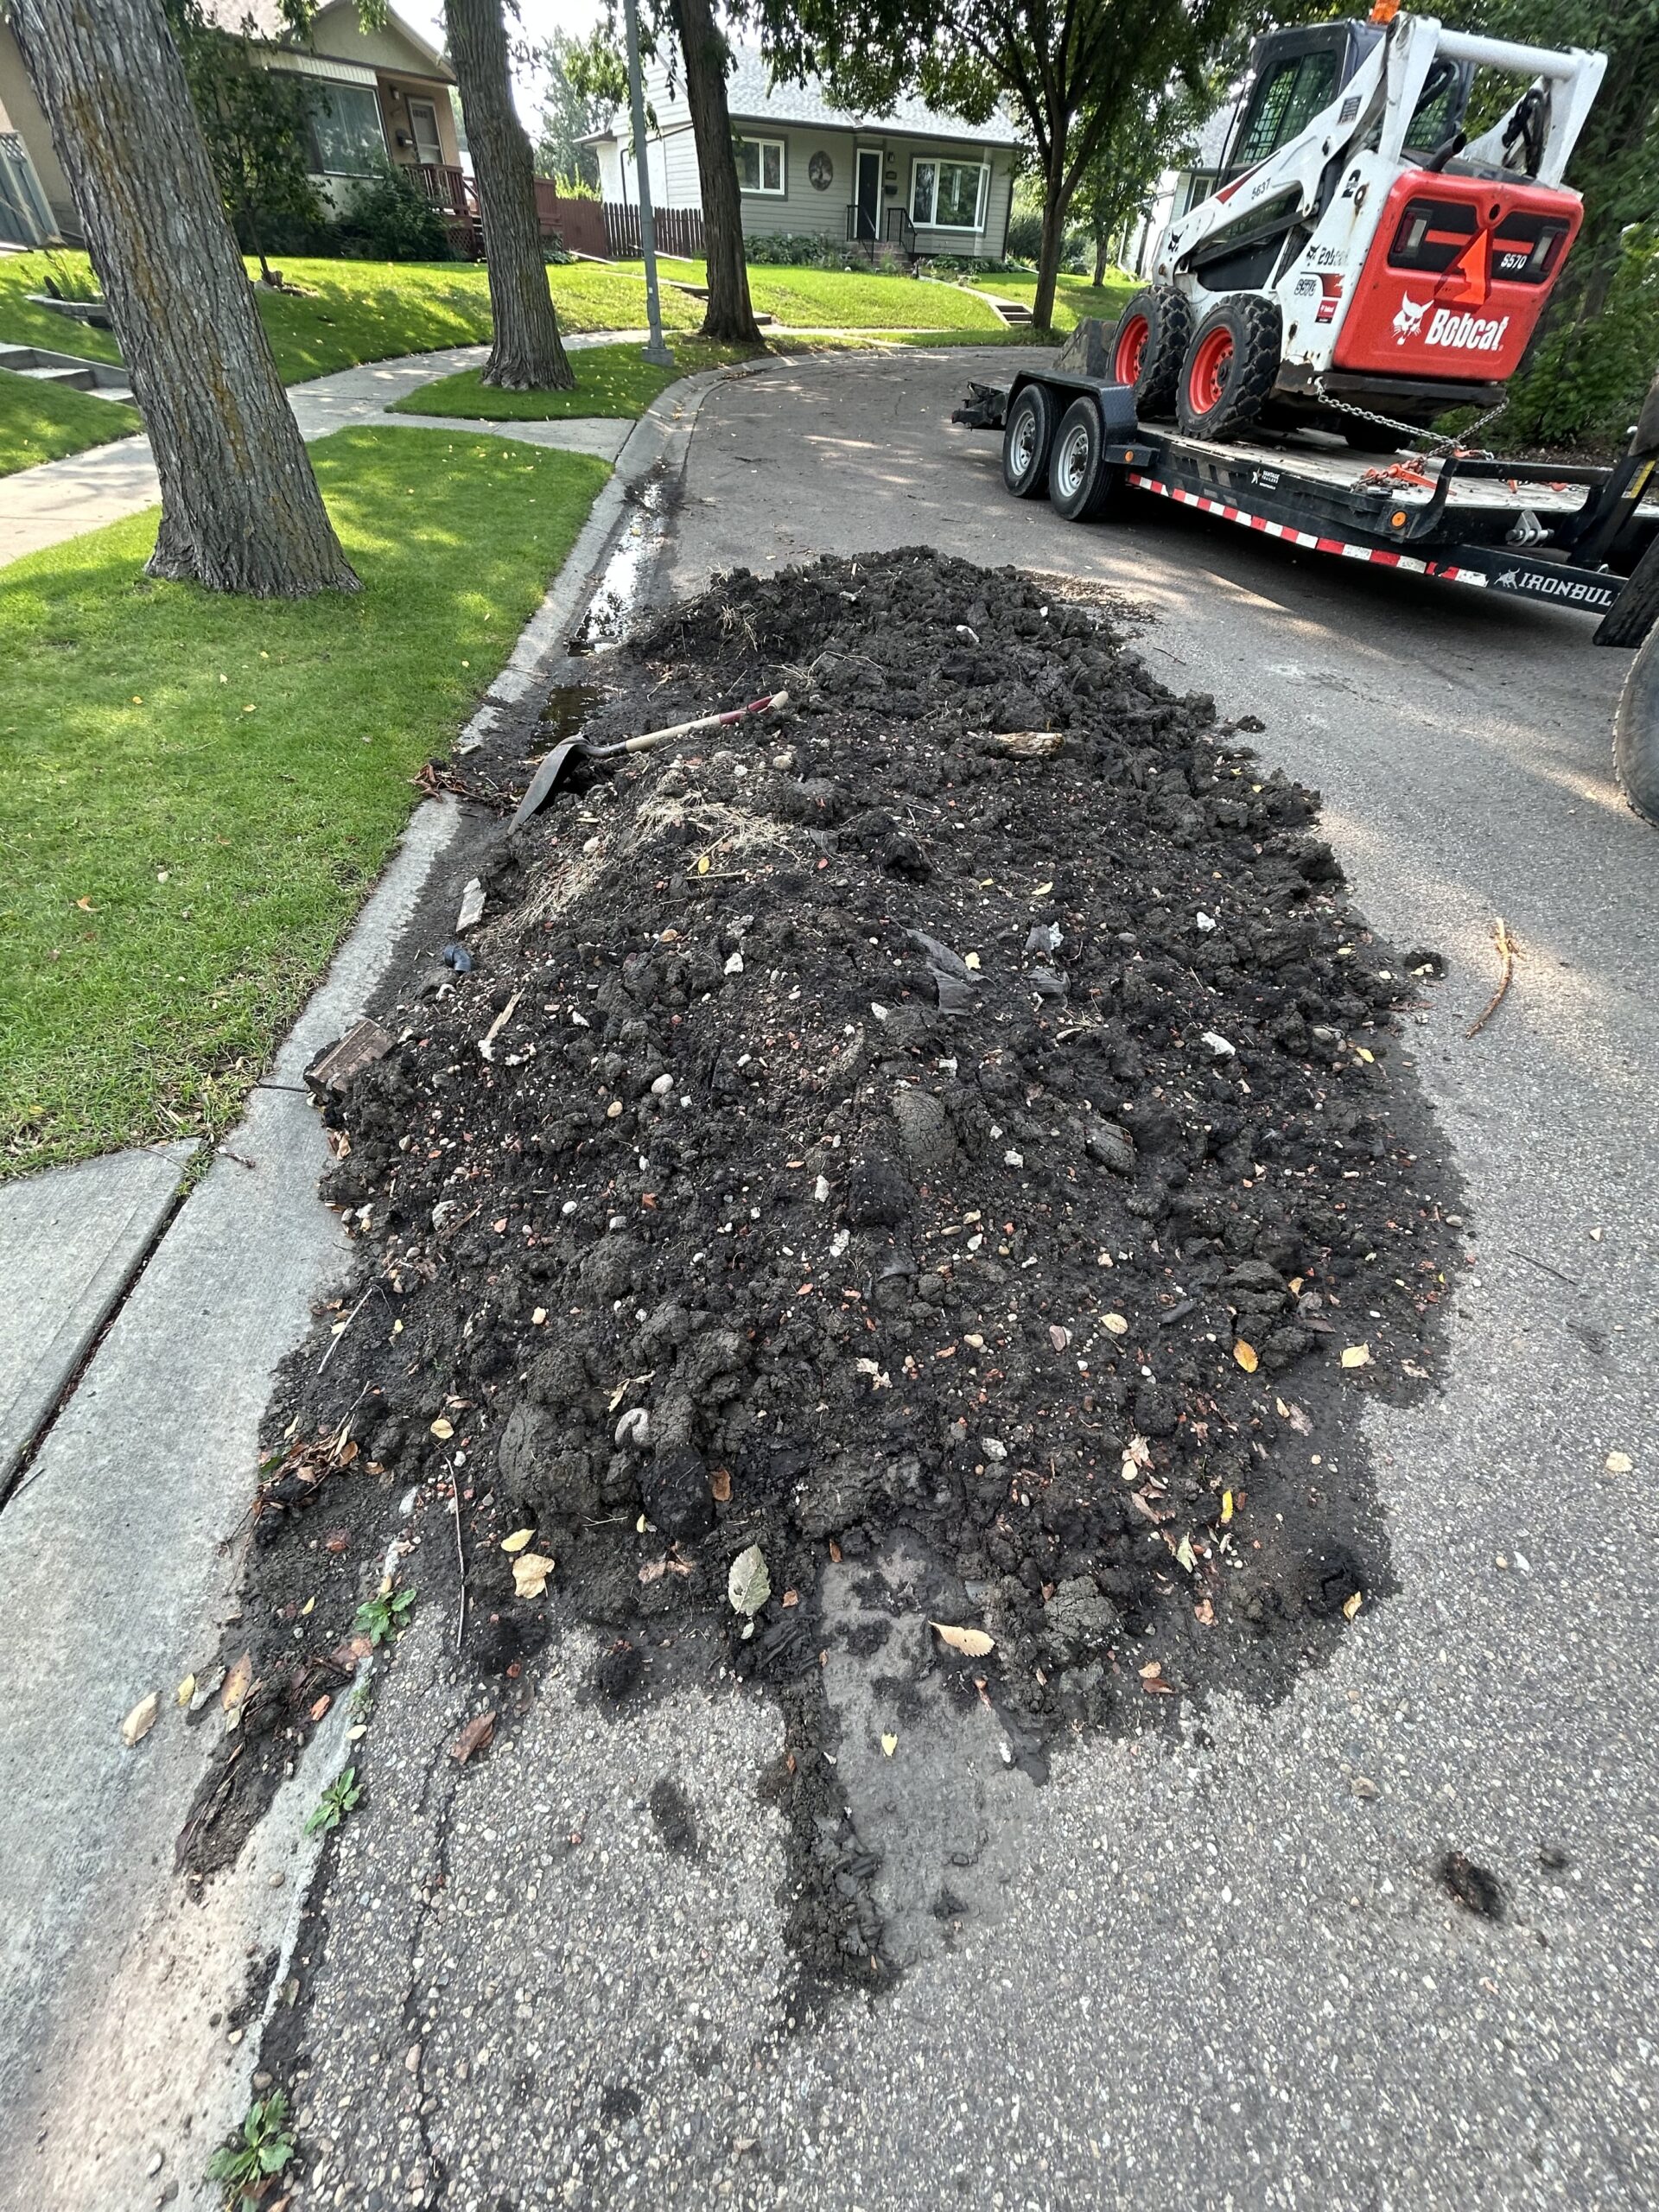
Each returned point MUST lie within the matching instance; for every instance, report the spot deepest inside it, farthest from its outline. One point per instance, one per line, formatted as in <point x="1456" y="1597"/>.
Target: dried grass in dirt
<point x="892" y="1137"/>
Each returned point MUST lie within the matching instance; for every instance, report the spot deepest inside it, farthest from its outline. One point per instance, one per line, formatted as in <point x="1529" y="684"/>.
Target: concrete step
<point x="103" y="379"/>
<point x="73" y="379"/>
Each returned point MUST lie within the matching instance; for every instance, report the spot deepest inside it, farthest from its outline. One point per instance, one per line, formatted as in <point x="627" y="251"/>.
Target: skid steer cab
<point x="1362" y="255"/>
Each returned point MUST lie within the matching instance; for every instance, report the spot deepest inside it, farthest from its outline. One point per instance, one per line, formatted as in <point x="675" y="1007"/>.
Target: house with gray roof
<point x="916" y="180"/>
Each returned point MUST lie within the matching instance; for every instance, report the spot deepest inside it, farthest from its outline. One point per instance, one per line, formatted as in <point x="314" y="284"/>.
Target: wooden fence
<point x="679" y="231"/>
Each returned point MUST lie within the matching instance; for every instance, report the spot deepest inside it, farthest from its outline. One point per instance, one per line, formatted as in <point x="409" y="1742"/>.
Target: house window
<point x="948" y="196"/>
<point x="760" y="166"/>
<point x="346" y="139"/>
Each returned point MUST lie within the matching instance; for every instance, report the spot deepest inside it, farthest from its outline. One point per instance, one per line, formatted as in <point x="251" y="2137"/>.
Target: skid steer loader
<point x="1362" y="264"/>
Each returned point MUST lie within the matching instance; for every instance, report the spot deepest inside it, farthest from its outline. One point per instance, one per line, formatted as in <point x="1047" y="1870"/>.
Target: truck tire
<point x="1636" y="733"/>
<point x="1026" y="436"/>
<point x="1149" y="346"/>
<point x="1082" y="483"/>
<point x="1230" y="368"/>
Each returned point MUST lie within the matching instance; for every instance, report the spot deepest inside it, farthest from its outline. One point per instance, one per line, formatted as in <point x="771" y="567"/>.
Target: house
<point x="382" y="93"/>
<point x="916" y="180"/>
<point x="1179" y="191"/>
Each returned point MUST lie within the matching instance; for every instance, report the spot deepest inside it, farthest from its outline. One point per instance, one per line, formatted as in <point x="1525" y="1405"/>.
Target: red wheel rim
<point x="1131" y="350"/>
<point x="1212" y="364"/>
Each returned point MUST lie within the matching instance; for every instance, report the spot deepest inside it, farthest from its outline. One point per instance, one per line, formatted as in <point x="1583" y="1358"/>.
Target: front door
<point x="423" y="128"/>
<point x="868" y="223"/>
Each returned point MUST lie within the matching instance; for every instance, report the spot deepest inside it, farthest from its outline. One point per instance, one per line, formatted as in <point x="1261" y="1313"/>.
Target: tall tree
<point x="526" y="352"/>
<point x="1121" y="181"/>
<point x="1071" y="70"/>
<point x="567" y="111"/>
<point x="240" y="508"/>
<point x="255" y="121"/>
<point x="707" y="58"/>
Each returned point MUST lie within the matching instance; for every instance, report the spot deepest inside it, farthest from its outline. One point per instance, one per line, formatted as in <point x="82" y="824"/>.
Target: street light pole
<point x="656" y="351"/>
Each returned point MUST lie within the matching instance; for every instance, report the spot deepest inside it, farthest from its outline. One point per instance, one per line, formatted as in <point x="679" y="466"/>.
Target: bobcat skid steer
<point x="1360" y="258"/>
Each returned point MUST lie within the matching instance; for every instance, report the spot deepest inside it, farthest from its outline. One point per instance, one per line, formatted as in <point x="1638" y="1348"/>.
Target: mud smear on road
<point x="982" y="1176"/>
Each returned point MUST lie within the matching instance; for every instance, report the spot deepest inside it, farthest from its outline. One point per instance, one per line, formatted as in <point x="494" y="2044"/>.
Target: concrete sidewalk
<point x="60" y="499"/>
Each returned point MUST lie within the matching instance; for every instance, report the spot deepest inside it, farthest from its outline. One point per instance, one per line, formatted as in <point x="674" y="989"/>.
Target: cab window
<point x="1286" y="102"/>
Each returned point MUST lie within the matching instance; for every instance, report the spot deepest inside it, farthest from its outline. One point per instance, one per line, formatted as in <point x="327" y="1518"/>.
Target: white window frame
<point x="935" y="162"/>
<point x="763" y="190"/>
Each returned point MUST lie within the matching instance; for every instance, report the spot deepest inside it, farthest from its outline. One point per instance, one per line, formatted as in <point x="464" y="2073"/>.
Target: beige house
<point x="381" y="94"/>
<point x="916" y="180"/>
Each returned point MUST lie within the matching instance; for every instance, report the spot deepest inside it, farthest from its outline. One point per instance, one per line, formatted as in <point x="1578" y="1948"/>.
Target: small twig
<point x="1572" y="1281"/>
<point x="461" y="1551"/>
<point x="1505" y="945"/>
<point x="345" y="1325"/>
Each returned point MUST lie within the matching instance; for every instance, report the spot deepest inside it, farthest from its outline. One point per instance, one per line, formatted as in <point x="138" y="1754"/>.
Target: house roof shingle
<point x="752" y="98"/>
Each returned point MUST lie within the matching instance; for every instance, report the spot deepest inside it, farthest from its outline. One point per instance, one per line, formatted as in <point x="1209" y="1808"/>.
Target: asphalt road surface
<point x="1208" y="1971"/>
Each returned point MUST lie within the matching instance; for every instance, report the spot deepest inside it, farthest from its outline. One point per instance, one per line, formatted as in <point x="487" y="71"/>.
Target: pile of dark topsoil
<point x="881" y="1132"/>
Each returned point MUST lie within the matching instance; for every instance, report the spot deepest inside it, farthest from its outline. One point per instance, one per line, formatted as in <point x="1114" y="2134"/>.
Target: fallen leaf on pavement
<point x="972" y="1642"/>
<point x="473" y="1738"/>
<point x="516" y="1541"/>
<point x="1619" y="1463"/>
<point x="748" y="1585"/>
<point x="1351" y="1605"/>
<point x="1245" y="1354"/>
<point x="889" y="1745"/>
<point x="529" y="1573"/>
<point x="236" y="1682"/>
<point x="186" y="1690"/>
<point x="321" y="1707"/>
<point x="1226" y="1507"/>
<point x="139" y="1722"/>
<point x="1357" y="1355"/>
<point x="443" y="1429"/>
<point x="1117" y="1324"/>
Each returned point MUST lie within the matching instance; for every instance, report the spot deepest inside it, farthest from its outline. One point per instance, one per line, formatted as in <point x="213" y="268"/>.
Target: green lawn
<point x="21" y="324"/>
<point x="610" y="380"/>
<point x="1074" y="296"/>
<point x="853" y="299"/>
<point x="42" y="422"/>
<point x="200" y="790"/>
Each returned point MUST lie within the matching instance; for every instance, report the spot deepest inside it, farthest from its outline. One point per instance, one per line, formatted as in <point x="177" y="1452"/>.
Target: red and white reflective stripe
<point x="1441" y="571"/>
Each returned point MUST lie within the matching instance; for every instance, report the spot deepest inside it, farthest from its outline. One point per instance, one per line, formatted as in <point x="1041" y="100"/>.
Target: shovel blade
<point x="543" y="781"/>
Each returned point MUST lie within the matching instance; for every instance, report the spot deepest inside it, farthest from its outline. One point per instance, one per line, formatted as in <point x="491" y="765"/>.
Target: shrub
<point x="795" y="250"/>
<point x="1026" y="239"/>
<point x="388" y="219"/>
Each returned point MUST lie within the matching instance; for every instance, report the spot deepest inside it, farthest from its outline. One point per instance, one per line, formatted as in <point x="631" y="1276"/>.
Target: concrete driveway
<point x="1208" y="1971"/>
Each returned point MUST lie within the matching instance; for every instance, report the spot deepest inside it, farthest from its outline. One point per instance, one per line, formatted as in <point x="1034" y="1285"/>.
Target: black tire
<point x="1636" y="733"/>
<point x="1082" y="483"/>
<point x="1230" y="368"/>
<point x="1026" y="437"/>
<point x="1148" y="347"/>
<point x="1629" y="621"/>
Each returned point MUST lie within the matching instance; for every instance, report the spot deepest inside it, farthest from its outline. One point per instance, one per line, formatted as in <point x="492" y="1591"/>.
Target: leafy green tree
<point x="1071" y="71"/>
<point x="254" y="122"/>
<point x="567" y="111"/>
<point x="1120" y="181"/>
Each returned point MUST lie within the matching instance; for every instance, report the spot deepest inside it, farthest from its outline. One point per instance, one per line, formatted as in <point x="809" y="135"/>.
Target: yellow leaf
<point x="1351" y="1605"/>
<point x="1042" y="891"/>
<point x="443" y="1429"/>
<point x="529" y="1573"/>
<point x="1117" y="1324"/>
<point x="889" y="1745"/>
<point x="1619" y="1463"/>
<point x="702" y="864"/>
<point x="516" y="1541"/>
<point x="972" y="1642"/>
<point x="1245" y="1354"/>
<point x="1357" y="1355"/>
<point x="1226" y="1507"/>
<point x="186" y="1690"/>
<point x="139" y="1722"/>
<point x="236" y="1683"/>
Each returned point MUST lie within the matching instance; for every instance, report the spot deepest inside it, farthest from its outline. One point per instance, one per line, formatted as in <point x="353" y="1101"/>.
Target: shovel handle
<point x="650" y="738"/>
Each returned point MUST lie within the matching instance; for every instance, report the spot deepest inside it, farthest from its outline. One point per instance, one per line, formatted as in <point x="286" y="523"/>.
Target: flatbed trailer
<point x="1580" y="537"/>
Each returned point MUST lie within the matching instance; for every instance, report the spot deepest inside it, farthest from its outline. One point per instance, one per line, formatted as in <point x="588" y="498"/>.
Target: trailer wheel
<point x="1026" y="437"/>
<point x="1082" y="483"/>
<point x="1636" y="733"/>
<point x="1230" y="368"/>
<point x="1636" y="609"/>
<point x="1149" y="346"/>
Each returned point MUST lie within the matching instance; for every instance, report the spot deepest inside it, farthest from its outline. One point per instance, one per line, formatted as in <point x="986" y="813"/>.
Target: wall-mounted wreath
<point x="821" y="170"/>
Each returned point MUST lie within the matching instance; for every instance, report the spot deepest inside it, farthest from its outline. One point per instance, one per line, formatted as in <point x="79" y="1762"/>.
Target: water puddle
<point x="623" y="587"/>
<point x="566" y="708"/>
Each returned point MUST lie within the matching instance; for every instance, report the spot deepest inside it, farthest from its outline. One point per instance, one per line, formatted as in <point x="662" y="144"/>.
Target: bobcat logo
<point x="1410" y="320"/>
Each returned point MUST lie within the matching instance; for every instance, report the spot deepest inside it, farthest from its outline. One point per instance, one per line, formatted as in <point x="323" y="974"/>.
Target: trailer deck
<point x="1572" y="535"/>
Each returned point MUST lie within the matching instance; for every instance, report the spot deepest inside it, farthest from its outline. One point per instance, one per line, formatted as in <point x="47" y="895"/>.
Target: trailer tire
<point x="1636" y="733"/>
<point x="1148" y="347"/>
<point x="1628" y="621"/>
<point x="1230" y="368"/>
<point x="1027" y="437"/>
<point x="1082" y="483"/>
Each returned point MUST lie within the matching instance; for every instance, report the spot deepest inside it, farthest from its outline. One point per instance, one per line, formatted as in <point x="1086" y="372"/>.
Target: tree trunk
<point x="1101" y="243"/>
<point x="730" y="317"/>
<point x="526" y="354"/>
<point x="1055" y="197"/>
<point x="240" y="508"/>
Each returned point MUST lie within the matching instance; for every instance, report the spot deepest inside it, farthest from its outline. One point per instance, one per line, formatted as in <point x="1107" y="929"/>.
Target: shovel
<point x="554" y="766"/>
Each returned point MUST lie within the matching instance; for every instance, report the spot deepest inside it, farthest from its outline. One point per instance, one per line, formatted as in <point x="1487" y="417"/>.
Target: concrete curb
<point x="116" y="1574"/>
